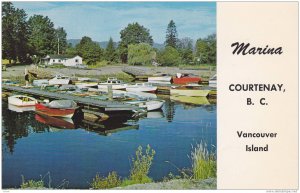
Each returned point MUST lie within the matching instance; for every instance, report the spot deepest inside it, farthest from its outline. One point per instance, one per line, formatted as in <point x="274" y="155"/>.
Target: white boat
<point x="86" y="83"/>
<point x="60" y="80"/>
<point x="189" y="91"/>
<point x="20" y="109"/>
<point x="22" y="100"/>
<point x="149" y="105"/>
<point x="160" y="79"/>
<point x="213" y="81"/>
<point x="141" y="87"/>
<point x="115" y="83"/>
<point x="41" y="82"/>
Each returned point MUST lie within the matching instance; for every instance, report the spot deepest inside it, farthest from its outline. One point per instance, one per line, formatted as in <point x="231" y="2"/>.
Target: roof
<point x="61" y="56"/>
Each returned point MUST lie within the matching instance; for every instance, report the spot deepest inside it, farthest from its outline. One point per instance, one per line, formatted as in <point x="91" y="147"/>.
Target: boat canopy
<point x="62" y="104"/>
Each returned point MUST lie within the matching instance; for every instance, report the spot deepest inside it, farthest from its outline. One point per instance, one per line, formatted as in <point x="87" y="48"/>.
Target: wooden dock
<point x="106" y="105"/>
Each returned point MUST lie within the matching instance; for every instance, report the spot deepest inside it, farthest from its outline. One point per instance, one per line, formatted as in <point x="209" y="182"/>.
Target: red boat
<point x="65" y="123"/>
<point x="185" y="79"/>
<point x="57" y="108"/>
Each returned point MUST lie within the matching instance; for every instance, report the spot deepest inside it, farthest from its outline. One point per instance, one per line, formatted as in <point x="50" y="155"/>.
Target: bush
<point x="111" y="181"/>
<point x="32" y="184"/>
<point x="203" y="162"/>
<point x="169" y="57"/>
<point x="141" y="165"/>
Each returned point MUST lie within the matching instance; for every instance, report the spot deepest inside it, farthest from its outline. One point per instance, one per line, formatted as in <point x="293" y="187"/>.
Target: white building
<point x="61" y="59"/>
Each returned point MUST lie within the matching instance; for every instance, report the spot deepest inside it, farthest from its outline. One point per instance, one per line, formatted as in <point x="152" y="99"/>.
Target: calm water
<point x="33" y="149"/>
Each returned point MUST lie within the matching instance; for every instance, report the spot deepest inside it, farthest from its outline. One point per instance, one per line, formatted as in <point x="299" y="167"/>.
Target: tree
<point x="133" y="34"/>
<point x="185" y="48"/>
<point x="140" y="54"/>
<point x="171" y="35"/>
<point x="110" y="51"/>
<point x="169" y="57"/>
<point x="61" y="40"/>
<point x="206" y="49"/>
<point x="14" y="33"/>
<point x="90" y="51"/>
<point x="42" y="38"/>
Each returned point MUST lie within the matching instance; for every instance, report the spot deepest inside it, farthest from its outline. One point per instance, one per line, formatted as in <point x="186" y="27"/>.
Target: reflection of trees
<point x="17" y="125"/>
<point x="169" y="110"/>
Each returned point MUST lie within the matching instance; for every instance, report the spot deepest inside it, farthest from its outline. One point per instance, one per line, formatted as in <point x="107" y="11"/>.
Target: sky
<point x="102" y="20"/>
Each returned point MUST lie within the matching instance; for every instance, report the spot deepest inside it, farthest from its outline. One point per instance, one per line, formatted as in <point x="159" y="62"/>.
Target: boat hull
<point x="186" y="80"/>
<point x="114" y="87"/>
<point x="22" y="101"/>
<point x="55" y="112"/>
<point x="159" y="79"/>
<point x="189" y="92"/>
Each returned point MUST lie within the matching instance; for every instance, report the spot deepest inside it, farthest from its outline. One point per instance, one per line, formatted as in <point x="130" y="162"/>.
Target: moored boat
<point x="213" y="81"/>
<point x="86" y="83"/>
<point x="21" y="100"/>
<point x="185" y="79"/>
<point x="60" y="80"/>
<point x="40" y="82"/>
<point x="160" y="79"/>
<point x="57" y="108"/>
<point x="65" y="123"/>
<point x="19" y="109"/>
<point x="141" y="87"/>
<point x="190" y="100"/>
<point x="189" y="91"/>
<point x="114" y="82"/>
<point x="149" y="105"/>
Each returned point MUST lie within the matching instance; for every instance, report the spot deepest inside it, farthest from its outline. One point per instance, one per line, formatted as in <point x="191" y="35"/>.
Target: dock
<point x="106" y="105"/>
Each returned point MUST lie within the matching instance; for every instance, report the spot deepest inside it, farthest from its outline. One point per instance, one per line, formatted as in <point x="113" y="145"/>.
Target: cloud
<point x="100" y="20"/>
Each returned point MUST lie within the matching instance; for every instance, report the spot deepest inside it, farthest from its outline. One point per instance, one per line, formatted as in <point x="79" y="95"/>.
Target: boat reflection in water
<point x="190" y="100"/>
<point x="63" y="123"/>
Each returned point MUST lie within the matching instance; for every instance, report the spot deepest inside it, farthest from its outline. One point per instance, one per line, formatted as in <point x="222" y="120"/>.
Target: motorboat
<point x="114" y="82"/>
<point x="22" y="100"/>
<point x="160" y="79"/>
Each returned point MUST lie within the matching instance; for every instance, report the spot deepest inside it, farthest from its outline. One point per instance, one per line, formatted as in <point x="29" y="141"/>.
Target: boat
<point x="64" y="123"/>
<point x="149" y="105"/>
<point x="57" y="108"/>
<point x="22" y="100"/>
<point x="114" y="82"/>
<point x="20" y="109"/>
<point x="189" y="91"/>
<point x="86" y="83"/>
<point x="190" y="100"/>
<point x="60" y="80"/>
<point x="155" y="114"/>
<point x="160" y="79"/>
<point x="213" y="81"/>
<point x="141" y="87"/>
<point x="185" y="79"/>
<point x="40" y="82"/>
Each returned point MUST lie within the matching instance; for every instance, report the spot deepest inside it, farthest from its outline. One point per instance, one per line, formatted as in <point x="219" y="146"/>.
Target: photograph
<point x="109" y="95"/>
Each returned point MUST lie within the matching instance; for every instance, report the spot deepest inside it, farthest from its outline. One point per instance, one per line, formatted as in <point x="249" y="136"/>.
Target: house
<point x="62" y="59"/>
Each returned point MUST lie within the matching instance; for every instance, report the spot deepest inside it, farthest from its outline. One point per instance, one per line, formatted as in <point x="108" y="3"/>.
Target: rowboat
<point x="60" y="80"/>
<point x="190" y="100"/>
<point x="149" y="105"/>
<point x="21" y="100"/>
<point x="189" y="91"/>
<point x="57" y="108"/>
<point x="141" y="87"/>
<point x="213" y="81"/>
<point x="115" y="83"/>
<point x="185" y="79"/>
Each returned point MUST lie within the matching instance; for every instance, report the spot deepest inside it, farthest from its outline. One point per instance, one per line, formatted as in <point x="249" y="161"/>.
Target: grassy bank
<point x="201" y="175"/>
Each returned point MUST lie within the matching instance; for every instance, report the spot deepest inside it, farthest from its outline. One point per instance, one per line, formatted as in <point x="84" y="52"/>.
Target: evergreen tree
<point x="90" y="51"/>
<point x="171" y="35"/>
<point x="110" y="51"/>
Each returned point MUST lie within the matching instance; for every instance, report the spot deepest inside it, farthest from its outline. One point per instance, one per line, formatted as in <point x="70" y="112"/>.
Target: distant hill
<point x="103" y="44"/>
